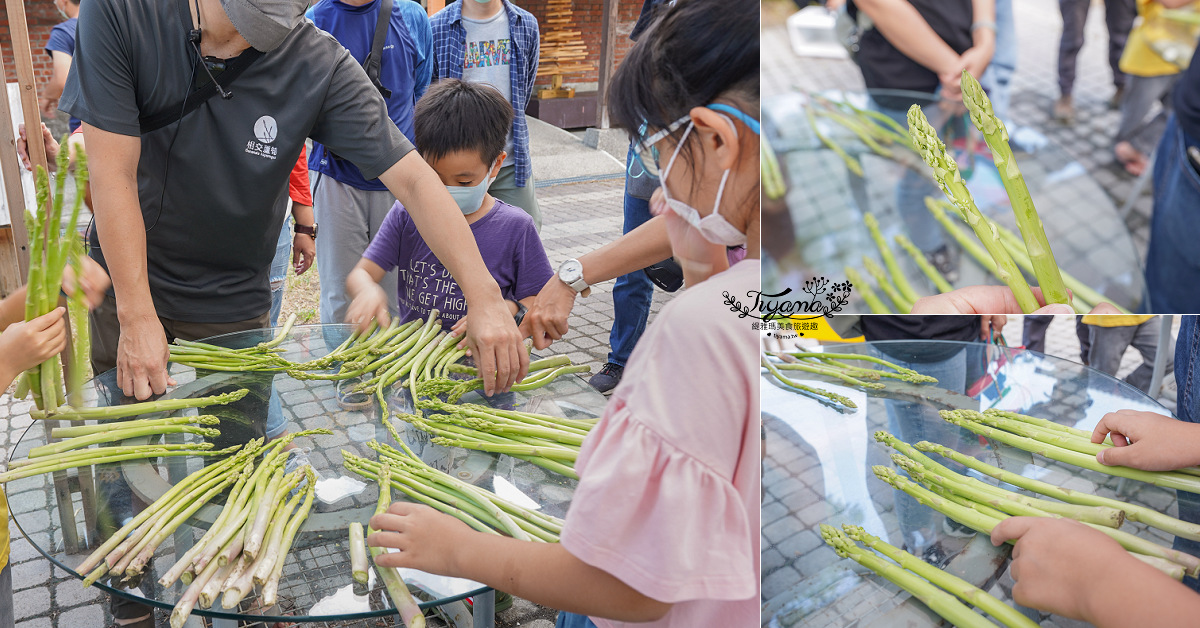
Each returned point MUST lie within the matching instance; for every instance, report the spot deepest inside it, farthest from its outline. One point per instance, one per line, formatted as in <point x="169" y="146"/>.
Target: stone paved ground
<point x="1035" y="87"/>
<point x="577" y="218"/>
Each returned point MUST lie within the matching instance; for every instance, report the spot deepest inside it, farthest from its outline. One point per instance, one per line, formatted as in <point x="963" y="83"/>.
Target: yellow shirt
<point x="3" y="529"/>
<point x="1116" y="320"/>
<point x="1158" y="46"/>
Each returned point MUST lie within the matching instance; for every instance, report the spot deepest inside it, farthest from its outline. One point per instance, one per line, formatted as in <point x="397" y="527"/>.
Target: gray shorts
<point x="6" y="597"/>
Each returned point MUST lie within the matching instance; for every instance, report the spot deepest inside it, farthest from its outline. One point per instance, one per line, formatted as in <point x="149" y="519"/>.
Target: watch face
<point x="571" y="271"/>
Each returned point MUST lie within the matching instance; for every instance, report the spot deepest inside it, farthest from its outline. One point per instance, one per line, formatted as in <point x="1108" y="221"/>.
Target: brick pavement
<point x="577" y="218"/>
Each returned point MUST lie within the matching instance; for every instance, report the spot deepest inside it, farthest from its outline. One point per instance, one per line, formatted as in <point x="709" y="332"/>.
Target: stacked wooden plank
<point x="562" y="49"/>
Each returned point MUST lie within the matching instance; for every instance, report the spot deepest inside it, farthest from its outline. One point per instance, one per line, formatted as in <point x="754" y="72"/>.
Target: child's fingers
<point x="1012" y="528"/>
<point x="46" y="321"/>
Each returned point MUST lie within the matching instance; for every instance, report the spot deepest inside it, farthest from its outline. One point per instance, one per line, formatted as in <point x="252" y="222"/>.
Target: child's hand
<point x="370" y="304"/>
<point x="27" y="344"/>
<point x="1148" y="441"/>
<point x="427" y="539"/>
<point x="95" y="282"/>
<point x="459" y="330"/>
<point x="1060" y="564"/>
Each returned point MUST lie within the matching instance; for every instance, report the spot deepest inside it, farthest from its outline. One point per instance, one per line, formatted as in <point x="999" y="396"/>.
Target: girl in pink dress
<point x="663" y="527"/>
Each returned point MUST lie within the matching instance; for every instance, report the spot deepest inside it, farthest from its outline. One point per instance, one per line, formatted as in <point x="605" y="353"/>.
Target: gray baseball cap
<point x="265" y="23"/>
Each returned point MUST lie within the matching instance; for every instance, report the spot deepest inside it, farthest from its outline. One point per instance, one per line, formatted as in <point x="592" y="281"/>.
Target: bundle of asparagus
<point x="945" y="171"/>
<point x="835" y="365"/>
<point x="548" y="441"/>
<point x="49" y="253"/>
<point x="1063" y="444"/>
<point x="477" y="507"/>
<point x="877" y="132"/>
<point x="402" y="599"/>
<point x="936" y="588"/>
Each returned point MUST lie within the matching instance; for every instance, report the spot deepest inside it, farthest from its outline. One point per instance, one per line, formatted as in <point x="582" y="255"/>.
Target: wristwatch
<point x="571" y="273"/>
<point x="520" y="315"/>
<point x="306" y="230"/>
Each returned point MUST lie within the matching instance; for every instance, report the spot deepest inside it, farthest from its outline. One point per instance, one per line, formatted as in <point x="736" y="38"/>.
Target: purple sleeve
<point x="533" y="268"/>
<point x="384" y="248"/>
<point x="62" y="39"/>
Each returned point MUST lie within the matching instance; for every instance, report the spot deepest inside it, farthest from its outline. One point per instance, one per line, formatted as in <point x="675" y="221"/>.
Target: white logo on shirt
<point x="265" y="129"/>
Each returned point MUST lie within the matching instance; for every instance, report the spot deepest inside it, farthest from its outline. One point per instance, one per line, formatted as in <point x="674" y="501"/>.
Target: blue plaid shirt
<point x="449" y="42"/>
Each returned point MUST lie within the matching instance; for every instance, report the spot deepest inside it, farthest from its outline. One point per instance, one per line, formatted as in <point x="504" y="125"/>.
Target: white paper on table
<point x="14" y="105"/>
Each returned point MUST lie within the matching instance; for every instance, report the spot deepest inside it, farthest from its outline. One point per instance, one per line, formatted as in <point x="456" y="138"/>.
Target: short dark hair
<point x="455" y="115"/>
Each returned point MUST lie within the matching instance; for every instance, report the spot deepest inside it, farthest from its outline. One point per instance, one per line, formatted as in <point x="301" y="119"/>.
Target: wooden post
<point x="10" y="171"/>
<point x="608" y="55"/>
<point x="23" y="57"/>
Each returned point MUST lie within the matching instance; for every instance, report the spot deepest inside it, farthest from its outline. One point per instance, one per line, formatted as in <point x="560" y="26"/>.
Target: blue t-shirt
<point x="507" y="240"/>
<point x="405" y="68"/>
<point x="62" y="39"/>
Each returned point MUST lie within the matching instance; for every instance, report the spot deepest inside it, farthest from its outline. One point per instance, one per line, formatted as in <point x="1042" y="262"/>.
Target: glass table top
<point x="317" y="583"/>
<point x="826" y="202"/>
<point x="817" y="469"/>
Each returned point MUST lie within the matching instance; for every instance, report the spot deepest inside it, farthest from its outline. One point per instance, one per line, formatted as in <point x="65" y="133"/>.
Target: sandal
<point x="1131" y="158"/>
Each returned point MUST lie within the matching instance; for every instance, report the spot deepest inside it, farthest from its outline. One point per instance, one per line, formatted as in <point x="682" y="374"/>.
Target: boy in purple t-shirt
<point x="460" y="129"/>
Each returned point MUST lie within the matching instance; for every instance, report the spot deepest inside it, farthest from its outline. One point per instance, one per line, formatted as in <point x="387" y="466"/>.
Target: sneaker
<point x="608" y="377"/>
<point x="348" y="397"/>
<point x="1064" y="110"/>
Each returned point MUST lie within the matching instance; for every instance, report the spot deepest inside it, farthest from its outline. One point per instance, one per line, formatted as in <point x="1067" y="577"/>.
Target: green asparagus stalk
<point x="261" y="574"/>
<point x="1166" y="479"/>
<point x="87" y="455"/>
<point x="851" y="163"/>
<point x="808" y="367"/>
<point x="772" y="177"/>
<point x="80" y="442"/>
<point x="1080" y="290"/>
<point x="119" y="412"/>
<point x="271" y="588"/>
<point x="84" y="430"/>
<point x="935" y="276"/>
<point x="790" y="383"/>
<point x="53" y="464"/>
<point x="889" y="260"/>
<point x="935" y="598"/>
<point x="402" y="600"/>
<point x="358" y="551"/>
<point x="996" y="136"/>
<point x="903" y="305"/>
<point x="187" y="602"/>
<point x="906" y="373"/>
<point x="945" y="170"/>
<point x="864" y="290"/>
<point x="960" y="588"/>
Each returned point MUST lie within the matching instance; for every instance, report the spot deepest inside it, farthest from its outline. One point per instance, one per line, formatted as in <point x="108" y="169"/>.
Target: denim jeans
<point x="1172" y="258"/>
<point x="1187" y="370"/>
<point x="998" y="76"/>
<point x="632" y="293"/>
<point x="572" y="620"/>
<point x="279" y="268"/>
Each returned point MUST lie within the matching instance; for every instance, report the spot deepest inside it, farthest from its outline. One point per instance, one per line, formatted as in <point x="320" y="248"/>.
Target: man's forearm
<point x="442" y="226"/>
<point x="905" y="29"/>
<point x="646" y="245"/>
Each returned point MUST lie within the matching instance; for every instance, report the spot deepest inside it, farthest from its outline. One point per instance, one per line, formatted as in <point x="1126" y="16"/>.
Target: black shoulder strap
<point x="197" y="97"/>
<point x="372" y="62"/>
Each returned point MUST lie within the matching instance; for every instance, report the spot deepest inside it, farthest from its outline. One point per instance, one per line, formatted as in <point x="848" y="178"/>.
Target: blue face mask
<point x="470" y="199"/>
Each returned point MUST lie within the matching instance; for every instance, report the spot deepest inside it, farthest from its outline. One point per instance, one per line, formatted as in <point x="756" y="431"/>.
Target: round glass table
<point x="317" y="584"/>
<point x="826" y="201"/>
<point x="817" y="469"/>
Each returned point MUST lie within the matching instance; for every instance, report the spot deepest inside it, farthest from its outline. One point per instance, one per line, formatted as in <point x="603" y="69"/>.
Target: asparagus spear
<point x="1079" y="289"/>
<point x="903" y="305"/>
<point x="271" y="588"/>
<point x="996" y="136"/>
<point x="934" y="275"/>
<point x="402" y="599"/>
<point x="945" y="170"/>
<point x="851" y="163"/>
<point x="962" y="589"/>
<point x="790" y="383"/>
<point x="864" y="290"/>
<point x="889" y="260"/>
<point x="358" y="552"/>
<point x="84" y="430"/>
<point x="133" y="409"/>
<point x="772" y="178"/>
<point x="936" y="599"/>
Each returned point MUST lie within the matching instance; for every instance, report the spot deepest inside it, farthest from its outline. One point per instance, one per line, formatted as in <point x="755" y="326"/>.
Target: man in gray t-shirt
<point x="187" y="214"/>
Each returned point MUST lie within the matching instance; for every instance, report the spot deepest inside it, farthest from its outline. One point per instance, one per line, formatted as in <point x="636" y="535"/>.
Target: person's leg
<point x="1108" y="345"/>
<point x="105" y="332"/>
<point x="632" y="293"/>
<point x="1033" y="334"/>
<point x="1145" y="340"/>
<point x="279" y="268"/>
<point x="1074" y="16"/>
<point x="573" y="620"/>
<point x="1172" y="258"/>
<point x="506" y="189"/>
<point x="345" y="233"/>
<point x="1084" y="334"/>
<point x="998" y="76"/>
<point x="6" y="596"/>
<point x="1118" y="16"/>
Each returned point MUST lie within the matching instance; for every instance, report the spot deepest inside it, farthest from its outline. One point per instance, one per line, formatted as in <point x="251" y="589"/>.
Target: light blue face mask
<point x="470" y="199"/>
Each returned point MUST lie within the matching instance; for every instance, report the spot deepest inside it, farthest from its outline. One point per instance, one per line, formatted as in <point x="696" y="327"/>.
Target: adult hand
<point x="370" y="304"/>
<point x="426" y="539"/>
<point x="47" y="139"/>
<point x="991" y="325"/>
<point x="546" y="319"/>
<point x="1148" y="441"/>
<point x="94" y="284"/>
<point x="976" y="60"/>
<point x="1059" y="564"/>
<point x="495" y="343"/>
<point x="142" y="356"/>
<point x="950" y="78"/>
<point x="27" y="344"/>
<point x="49" y="107"/>
<point x="992" y="300"/>
<point x="304" y="252"/>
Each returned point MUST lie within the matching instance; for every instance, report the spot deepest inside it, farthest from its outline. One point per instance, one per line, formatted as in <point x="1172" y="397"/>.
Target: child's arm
<point x="1066" y="568"/>
<point x="368" y="301"/>
<point x="24" y="345"/>
<point x="1148" y="441"/>
<point x="543" y="573"/>
<point x="12" y="308"/>
<point x="95" y="283"/>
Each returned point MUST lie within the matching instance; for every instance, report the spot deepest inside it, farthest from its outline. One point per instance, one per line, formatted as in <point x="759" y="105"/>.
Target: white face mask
<point x="712" y="227"/>
<point x="470" y="199"/>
